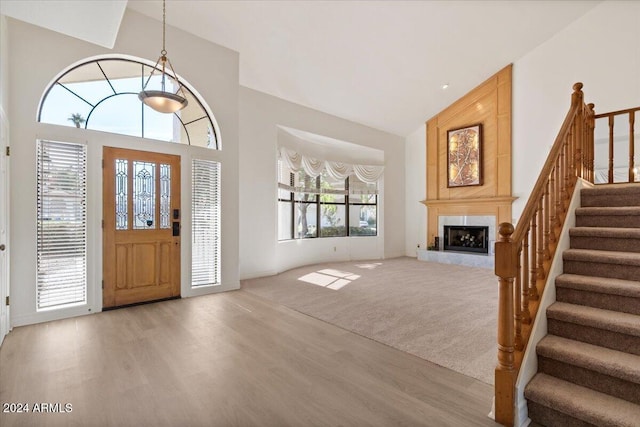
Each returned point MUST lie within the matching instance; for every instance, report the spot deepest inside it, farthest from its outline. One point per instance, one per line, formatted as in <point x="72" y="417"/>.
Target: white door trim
<point x="5" y="317"/>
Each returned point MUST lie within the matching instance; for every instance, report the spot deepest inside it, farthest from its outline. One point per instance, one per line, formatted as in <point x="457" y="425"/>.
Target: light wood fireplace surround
<point x="490" y="105"/>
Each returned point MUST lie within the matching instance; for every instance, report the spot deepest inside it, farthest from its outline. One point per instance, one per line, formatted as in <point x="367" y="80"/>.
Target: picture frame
<point x="464" y="156"/>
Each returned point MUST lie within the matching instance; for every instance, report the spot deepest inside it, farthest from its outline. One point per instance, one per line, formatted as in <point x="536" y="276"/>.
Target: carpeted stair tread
<point x="614" y="321"/>
<point x="612" y="211"/>
<point x="595" y="358"/>
<point x="613" y="189"/>
<point x="611" y="195"/>
<point x="606" y="257"/>
<point x="607" y="232"/>
<point x="609" y="238"/>
<point x="602" y="285"/>
<point x="582" y="403"/>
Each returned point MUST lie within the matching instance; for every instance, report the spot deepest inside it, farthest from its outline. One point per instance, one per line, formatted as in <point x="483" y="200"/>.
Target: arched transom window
<point x="102" y="94"/>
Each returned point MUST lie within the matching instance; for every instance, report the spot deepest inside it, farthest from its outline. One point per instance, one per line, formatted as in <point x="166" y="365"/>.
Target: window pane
<point x="304" y="183"/>
<point x="362" y="220"/>
<point x="121" y="114"/>
<point x="284" y="221"/>
<point x="88" y="82"/>
<point x="124" y="76"/>
<point x="64" y="106"/>
<point x="333" y="222"/>
<point x="357" y="187"/>
<point x="122" y="190"/>
<point x="144" y="195"/>
<point x="333" y="190"/>
<point x="161" y="126"/>
<point x="205" y="243"/>
<point x="306" y="197"/>
<point x="196" y="124"/>
<point x="61" y="225"/>
<point x="165" y="196"/>
<point x="363" y="198"/>
<point x="306" y="223"/>
<point x="284" y="194"/>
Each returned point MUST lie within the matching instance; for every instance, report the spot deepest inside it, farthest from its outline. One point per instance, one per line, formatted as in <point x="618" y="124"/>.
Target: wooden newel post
<point x="505" y="373"/>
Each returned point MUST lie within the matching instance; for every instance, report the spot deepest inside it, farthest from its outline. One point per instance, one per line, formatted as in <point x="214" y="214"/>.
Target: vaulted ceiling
<point x="379" y="63"/>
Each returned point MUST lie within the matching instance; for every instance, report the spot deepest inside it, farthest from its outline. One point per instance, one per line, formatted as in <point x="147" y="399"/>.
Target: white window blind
<point x="62" y="224"/>
<point x="205" y="247"/>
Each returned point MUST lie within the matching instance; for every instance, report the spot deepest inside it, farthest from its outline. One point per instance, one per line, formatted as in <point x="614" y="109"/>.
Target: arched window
<point x="102" y="94"/>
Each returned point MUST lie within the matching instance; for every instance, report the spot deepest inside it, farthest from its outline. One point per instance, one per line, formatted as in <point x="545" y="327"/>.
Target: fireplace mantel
<point x="499" y="206"/>
<point x="469" y="202"/>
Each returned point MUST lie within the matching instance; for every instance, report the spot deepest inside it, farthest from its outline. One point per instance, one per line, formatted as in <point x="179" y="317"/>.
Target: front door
<point x="141" y="229"/>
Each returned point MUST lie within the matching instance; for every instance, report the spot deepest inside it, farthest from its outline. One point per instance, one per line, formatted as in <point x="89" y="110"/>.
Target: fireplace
<point x="466" y="238"/>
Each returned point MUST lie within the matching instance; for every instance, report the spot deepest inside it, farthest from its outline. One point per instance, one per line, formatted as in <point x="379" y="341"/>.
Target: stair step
<point x="611" y="195"/>
<point x="598" y="368"/>
<point x="605" y="328"/>
<point x="599" y="292"/>
<point x="574" y="402"/>
<point x="613" y="264"/>
<point x="627" y="217"/>
<point x="605" y="238"/>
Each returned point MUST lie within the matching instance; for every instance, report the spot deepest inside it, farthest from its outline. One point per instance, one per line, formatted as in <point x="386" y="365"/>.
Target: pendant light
<point x="161" y="100"/>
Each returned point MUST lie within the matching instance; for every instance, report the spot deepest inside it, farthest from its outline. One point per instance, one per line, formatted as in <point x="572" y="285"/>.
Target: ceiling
<point x="379" y="63"/>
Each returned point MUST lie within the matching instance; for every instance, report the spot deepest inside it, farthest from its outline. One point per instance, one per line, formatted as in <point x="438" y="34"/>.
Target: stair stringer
<point x="529" y="366"/>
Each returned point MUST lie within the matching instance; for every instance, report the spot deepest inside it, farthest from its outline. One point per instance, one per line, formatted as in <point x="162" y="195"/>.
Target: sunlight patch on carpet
<point x="329" y="278"/>
<point x="369" y="266"/>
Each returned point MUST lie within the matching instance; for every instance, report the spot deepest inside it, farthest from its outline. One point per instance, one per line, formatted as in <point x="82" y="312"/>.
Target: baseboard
<point x="257" y="274"/>
<point x="522" y="416"/>
<point x="48" y="316"/>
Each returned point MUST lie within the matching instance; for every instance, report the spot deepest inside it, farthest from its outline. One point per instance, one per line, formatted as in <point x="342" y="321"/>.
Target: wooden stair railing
<point x="633" y="171"/>
<point x="523" y="255"/>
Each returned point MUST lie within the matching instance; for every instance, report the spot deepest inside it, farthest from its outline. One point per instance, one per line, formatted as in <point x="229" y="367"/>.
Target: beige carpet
<point x="442" y="313"/>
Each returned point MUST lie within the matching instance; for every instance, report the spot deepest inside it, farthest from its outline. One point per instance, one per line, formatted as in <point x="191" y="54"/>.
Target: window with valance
<point x="319" y="198"/>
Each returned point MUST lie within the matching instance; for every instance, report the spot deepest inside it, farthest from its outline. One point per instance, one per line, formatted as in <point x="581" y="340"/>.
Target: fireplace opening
<point x="466" y="238"/>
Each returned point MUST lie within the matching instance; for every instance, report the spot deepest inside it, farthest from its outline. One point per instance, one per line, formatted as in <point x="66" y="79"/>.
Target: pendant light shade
<point x="161" y="100"/>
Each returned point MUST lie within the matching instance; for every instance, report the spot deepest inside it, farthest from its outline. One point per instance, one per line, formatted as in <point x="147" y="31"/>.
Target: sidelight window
<point x="61" y="224"/>
<point x="205" y="245"/>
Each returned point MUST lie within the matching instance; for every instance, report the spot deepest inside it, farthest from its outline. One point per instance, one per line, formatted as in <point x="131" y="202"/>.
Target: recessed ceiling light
<point x="445" y="86"/>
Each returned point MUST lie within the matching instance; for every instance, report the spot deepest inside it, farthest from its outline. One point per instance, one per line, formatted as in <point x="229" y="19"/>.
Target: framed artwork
<point x="464" y="156"/>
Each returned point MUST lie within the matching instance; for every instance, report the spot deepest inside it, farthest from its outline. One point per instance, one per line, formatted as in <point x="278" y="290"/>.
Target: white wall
<point x="415" y="191"/>
<point x="4" y="63"/>
<point x="36" y="57"/>
<point x="600" y="50"/>
<point x="260" y="252"/>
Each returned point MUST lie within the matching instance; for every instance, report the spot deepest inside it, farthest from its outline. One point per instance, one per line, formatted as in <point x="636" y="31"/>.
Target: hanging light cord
<point x="163" y="57"/>
<point x="164" y="24"/>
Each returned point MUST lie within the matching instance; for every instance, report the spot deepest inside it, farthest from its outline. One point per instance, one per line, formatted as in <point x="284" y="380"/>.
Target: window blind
<point x="205" y="247"/>
<point x="62" y="224"/>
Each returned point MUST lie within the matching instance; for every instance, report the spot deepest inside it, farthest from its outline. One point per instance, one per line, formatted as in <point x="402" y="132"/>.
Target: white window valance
<point x="338" y="170"/>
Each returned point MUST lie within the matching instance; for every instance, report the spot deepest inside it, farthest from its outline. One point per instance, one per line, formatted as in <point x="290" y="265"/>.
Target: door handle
<point x="176" y="228"/>
<point x="2" y="247"/>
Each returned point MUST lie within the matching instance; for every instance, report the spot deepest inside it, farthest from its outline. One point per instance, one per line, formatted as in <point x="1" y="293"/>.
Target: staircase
<point x="589" y="363"/>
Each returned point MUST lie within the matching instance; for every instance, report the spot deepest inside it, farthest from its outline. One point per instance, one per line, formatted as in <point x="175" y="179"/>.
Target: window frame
<point x="145" y="66"/>
<point x="318" y="203"/>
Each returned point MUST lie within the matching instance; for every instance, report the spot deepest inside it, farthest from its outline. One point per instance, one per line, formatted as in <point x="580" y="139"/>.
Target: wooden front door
<point x="141" y="230"/>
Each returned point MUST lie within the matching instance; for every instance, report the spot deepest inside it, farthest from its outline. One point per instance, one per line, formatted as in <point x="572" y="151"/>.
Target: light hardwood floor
<point x="231" y="359"/>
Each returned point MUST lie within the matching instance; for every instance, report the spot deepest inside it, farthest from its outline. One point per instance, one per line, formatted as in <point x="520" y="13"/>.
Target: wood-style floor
<point x="230" y="359"/>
